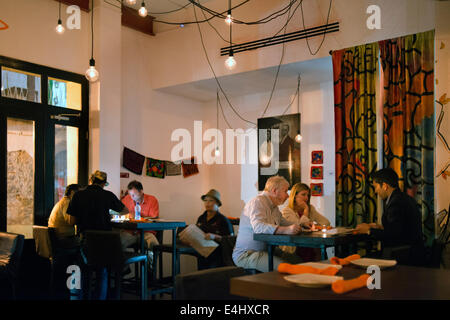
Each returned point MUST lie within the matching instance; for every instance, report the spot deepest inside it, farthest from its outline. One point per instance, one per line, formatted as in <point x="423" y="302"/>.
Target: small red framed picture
<point x="316" y="189"/>
<point x="317" y="157"/>
<point x="316" y="172"/>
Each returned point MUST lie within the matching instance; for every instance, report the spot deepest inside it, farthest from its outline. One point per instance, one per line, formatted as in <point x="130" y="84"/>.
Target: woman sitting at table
<point x="215" y="225"/>
<point x="300" y="211"/>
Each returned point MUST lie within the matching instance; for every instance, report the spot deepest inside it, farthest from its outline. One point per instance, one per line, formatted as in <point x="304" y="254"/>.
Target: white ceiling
<point x="258" y="81"/>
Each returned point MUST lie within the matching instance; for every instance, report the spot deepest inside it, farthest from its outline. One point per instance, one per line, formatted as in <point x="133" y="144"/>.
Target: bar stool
<point x="103" y="249"/>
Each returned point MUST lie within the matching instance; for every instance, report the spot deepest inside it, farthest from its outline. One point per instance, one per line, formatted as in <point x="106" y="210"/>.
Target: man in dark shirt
<point x="90" y="207"/>
<point x="401" y="220"/>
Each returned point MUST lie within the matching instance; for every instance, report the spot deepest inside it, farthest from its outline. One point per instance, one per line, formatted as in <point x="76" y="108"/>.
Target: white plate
<point x="319" y="265"/>
<point x="366" y="262"/>
<point x="310" y="280"/>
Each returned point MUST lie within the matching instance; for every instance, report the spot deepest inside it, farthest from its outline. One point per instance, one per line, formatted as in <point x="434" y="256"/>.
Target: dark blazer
<point x="402" y="222"/>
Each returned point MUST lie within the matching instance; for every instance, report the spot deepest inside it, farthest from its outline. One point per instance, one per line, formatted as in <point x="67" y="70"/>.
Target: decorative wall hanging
<point x="354" y="74"/>
<point x="155" y="168"/>
<point x="317" y="172"/>
<point x="317" y="157"/>
<point x="409" y="118"/>
<point x="189" y="167"/>
<point x="173" y="168"/>
<point x="316" y="189"/>
<point x="286" y="154"/>
<point x="133" y="161"/>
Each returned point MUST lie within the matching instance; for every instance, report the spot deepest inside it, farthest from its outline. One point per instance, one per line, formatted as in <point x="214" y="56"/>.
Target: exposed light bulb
<point x="92" y="74"/>
<point x="217" y="152"/>
<point x="131" y="2"/>
<point x="265" y="159"/>
<point x="230" y="63"/>
<point x="143" y="10"/>
<point x="59" y="28"/>
<point x="298" y="138"/>
<point x="228" y="19"/>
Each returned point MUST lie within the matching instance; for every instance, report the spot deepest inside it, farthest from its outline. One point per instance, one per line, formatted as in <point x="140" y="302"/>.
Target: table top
<point x="399" y="282"/>
<point x="310" y="238"/>
<point x="154" y="225"/>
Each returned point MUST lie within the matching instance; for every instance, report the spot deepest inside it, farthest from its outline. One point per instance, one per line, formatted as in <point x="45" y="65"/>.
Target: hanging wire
<point x="214" y="73"/>
<point x="92" y="29"/>
<point x="324" y="33"/>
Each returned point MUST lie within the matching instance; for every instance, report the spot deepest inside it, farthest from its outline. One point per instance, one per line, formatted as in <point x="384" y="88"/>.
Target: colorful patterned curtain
<point x="354" y="72"/>
<point x="409" y="118"/>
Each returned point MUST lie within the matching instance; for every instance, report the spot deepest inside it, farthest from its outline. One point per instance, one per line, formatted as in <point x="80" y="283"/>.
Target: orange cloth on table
<point x="345" y="261"/>
<point x="298" y="269"/>
<point x="343" y="286"/>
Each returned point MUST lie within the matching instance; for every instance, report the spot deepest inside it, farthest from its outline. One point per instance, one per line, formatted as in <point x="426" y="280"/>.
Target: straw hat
<point x="100" y="176"/>
<point x="213" y="194"/>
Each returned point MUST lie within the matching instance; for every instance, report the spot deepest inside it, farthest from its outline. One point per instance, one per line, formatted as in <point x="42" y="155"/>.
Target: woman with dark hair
<point x="301" y="212"/>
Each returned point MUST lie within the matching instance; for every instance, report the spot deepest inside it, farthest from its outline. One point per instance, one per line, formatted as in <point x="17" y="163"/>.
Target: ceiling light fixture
<point x="59" y="28"/>
<point x="298" y="137"/>
<point x="143" y="10"/>
<point x="91" y="73"/>
<point x="230" y="63"/>
<point x="131" y="2"/>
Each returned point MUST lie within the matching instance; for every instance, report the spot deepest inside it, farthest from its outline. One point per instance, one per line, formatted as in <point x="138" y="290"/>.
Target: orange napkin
<point x="343" y="286"/>
<point x="297" y="269"/>
<point x="345" y="261"/>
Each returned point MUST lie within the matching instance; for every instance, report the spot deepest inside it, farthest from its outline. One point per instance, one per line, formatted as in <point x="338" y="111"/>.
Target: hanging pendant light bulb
<point x="143" y="10"/>
<point x="131" y="2"/>
<point x="91" y="73"/>
<point x="230" y="63"/>
<point x="298" y="137"/>
<point x="59" y="28"/>
<point x="217" y="152"/>
<point x="229" y="19"/>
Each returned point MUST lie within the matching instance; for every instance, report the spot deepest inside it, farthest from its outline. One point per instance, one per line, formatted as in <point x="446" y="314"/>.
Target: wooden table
<point x="399" y="282"/>
<point x="154" y="225"/>
<point x="309" y="240"/>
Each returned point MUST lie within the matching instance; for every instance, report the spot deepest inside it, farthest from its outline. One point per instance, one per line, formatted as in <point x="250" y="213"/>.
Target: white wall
<point x="238" y="184"/>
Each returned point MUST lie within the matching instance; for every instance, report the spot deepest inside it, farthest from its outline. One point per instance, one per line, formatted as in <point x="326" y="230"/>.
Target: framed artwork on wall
<point x="316" y="172"/>
<point x="317" y="157"/>
<point x="316" y="189"/>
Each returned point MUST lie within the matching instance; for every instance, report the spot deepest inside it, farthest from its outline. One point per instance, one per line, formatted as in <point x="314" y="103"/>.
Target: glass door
<point x="44" y="114"/>
<point x="20" y="158"/>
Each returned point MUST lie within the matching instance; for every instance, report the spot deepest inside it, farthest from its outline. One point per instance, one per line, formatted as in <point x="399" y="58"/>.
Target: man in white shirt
<point x="261" y="215"/>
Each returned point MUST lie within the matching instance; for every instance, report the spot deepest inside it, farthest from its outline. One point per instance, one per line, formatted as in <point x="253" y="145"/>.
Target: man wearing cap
<point x="90" y="207"/>
<point x="215" y="225"/>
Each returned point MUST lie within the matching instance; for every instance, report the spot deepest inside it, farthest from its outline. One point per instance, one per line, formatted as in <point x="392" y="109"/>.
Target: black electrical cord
<point x="324" y="33"/>
<point x="214" y="73"/>
<point x="92" y="29"/>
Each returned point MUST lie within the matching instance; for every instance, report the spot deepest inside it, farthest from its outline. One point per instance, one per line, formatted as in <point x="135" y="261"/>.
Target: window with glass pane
<point x="17" y="84"/>
<point x="20" y="176"/>
<point x="66" y="158"/>
<point x="64" y="94"/>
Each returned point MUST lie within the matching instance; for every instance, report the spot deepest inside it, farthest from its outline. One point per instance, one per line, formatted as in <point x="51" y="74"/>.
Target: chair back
<point x="42" y="241"/>
<point x="11" y="248"/>
<point x="103" y="249"/>
<point x="210" y="284"/>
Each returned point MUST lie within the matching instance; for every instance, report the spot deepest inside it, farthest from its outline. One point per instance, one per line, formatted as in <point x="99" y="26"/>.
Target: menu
<point x="195" y="237"/>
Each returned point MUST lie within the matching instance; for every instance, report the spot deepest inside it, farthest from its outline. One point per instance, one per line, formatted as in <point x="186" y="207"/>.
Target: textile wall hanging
<point x="172" y="168"/>
<point x="409" y="118"/>
<point x="133" y="161"/>
<point x="354" y="74"/>
<point x="155" y="168"/>
<point x="189" y="167"/>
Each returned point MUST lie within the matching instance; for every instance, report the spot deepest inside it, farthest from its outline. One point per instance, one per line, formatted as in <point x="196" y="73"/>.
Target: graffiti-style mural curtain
<point x="354" y="72"/>
<point x="409" y="117"/>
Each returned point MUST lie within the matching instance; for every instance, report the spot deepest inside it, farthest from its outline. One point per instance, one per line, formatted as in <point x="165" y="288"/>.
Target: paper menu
<point x="195" y="237"/>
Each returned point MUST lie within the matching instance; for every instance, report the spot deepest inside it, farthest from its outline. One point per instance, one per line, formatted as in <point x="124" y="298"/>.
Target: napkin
<point x="343" y="286"/>
<point x="345" y="261"/>
<point x="297" y="269"/>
